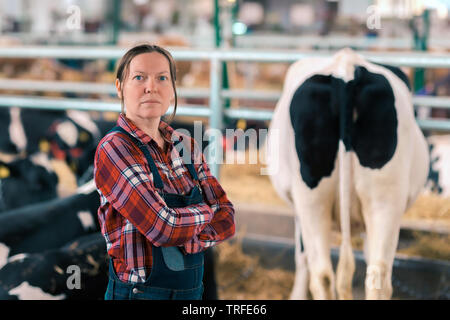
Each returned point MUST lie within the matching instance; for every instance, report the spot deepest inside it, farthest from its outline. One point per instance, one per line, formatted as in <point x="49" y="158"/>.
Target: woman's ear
<point x="118" y="88"/>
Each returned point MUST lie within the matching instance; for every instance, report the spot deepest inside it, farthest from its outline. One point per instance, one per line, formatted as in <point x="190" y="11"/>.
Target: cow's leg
<point x="300" y="288"/>
<point x="382" y="219"/>
<point x="344" y="272"/>
<point x="314" y="210"/>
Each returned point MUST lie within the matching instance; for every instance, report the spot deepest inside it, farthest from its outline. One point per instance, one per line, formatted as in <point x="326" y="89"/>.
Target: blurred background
<point x="374" y="25"/>
<point x="300" y="25"/>
<point x="384" y="26"/>
<point x="389" y="24"/>
<point x="57" y="73"/>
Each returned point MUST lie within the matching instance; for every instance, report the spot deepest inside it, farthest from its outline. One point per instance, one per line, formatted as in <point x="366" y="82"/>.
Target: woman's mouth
<point x="150" y="101"/>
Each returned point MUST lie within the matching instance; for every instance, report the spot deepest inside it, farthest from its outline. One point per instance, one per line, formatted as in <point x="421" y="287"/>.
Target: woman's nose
<point x="150" y="86"/>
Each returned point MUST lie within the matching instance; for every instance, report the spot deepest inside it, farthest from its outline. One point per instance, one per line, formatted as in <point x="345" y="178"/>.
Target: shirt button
<point x="135" y="290"/>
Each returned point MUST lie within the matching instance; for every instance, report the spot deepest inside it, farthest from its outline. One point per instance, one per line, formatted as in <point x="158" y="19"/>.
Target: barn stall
<point x="40" y="77"/>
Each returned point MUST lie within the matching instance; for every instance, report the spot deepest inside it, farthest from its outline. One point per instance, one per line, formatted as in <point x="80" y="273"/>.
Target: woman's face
<point x="147" y="89"/>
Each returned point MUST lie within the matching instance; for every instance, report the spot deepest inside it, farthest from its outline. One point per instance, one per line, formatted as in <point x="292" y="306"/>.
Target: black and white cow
<point x="63" y="142"/>
<point x="48" y="224"/>
<point x="21" y="130"/>
<point x="439" y="175"/>
<point x="77" y="270"/>
<point x="74" y="139"/>
<point x="70" y="135"/>
<point x="24" y="182"/>
<point x="343" y="142"/>
<point x="42" y="244"/>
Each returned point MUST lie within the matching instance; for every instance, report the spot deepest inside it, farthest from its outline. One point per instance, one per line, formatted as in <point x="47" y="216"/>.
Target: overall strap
<point x="190" y="165"/>
<point x="156" y="177"/>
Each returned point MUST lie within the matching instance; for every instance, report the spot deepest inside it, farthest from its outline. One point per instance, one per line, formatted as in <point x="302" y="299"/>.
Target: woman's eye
<point x="138" y="78"/>
<point x="163" y="78"/>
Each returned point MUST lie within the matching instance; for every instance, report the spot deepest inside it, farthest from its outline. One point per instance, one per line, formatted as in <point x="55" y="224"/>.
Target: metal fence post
<point x="216" y="117"/>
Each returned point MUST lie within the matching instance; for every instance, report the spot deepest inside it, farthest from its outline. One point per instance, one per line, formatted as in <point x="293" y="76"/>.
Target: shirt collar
<point x="166" y="131"/>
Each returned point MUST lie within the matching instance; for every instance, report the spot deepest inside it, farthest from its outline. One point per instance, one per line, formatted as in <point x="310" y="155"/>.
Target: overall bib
<point x="174" y="275"/>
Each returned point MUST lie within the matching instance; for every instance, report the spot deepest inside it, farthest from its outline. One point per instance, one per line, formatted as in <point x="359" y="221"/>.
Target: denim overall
<point x="174" y="275"/>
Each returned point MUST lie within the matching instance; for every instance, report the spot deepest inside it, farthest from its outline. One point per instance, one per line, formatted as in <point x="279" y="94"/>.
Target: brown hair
<point x="124" y="66"/>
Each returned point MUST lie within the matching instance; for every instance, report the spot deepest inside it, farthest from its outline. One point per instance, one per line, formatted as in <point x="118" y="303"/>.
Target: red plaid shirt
<point x="133" y="215"/>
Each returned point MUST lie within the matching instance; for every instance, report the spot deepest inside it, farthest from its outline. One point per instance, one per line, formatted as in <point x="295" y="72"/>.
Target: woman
<point x="158" y="210"/>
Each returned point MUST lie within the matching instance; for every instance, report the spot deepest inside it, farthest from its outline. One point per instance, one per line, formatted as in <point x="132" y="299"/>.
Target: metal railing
<point x="215" y="112"/>
<point x="256" y="40"/>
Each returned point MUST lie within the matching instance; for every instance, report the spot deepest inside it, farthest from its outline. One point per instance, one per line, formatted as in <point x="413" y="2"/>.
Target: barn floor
<point x="242" y="276"/>
<point x="250" y="268"/>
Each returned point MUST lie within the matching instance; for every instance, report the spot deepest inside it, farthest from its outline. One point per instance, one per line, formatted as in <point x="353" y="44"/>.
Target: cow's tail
<point x="346" y="265"/>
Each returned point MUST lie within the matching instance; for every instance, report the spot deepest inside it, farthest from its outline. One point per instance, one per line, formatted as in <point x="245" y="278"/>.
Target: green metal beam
<point x="116" y="21"/>
<point x="421" y="44"/>
<point x="218" y="40"/>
